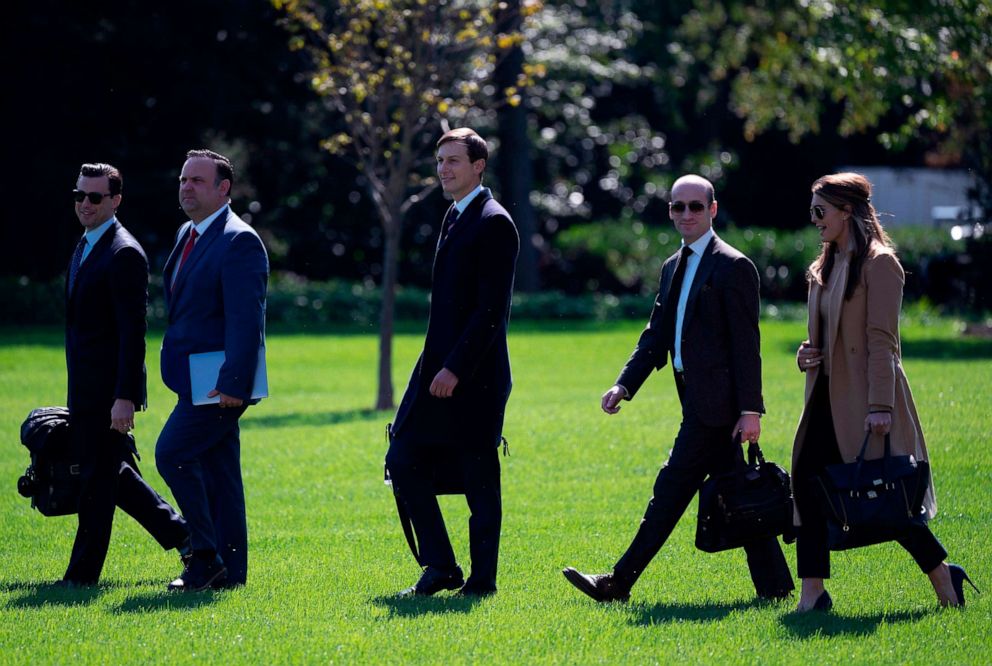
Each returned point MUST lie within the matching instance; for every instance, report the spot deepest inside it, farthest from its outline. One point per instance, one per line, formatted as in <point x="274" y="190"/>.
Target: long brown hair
<point x="850" y="192"/>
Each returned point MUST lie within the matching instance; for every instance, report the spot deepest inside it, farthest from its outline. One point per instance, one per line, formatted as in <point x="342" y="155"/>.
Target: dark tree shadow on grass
<point x="159" y="601"/>
<point x="311" y="419"/>
<point x="827" y="625"/>
<point x="417" y="606"/>
<point x="662" y="613"/>
<point x="39" y="595"/>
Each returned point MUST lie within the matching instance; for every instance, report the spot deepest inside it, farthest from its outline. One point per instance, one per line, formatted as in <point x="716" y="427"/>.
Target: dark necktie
<point x="452" y="219"/>
<point x="77" y="258"/>
<point x="676" y="288"/>
<point x="190" y="242"/>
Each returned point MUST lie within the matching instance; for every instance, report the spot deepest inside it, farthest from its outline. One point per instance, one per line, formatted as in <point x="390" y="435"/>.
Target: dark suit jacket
<point x="105" y="325"/>
<point x="466" y="331"/>
<point x="216" y="304"/>
<point x="720" y="341"/>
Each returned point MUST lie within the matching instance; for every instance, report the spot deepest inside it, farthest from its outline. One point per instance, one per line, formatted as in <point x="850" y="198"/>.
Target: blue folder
<point x="205" y="368"/>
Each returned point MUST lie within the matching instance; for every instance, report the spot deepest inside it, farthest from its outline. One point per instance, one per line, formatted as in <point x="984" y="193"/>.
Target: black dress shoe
<point x="601" y="587"/>
<point x="434" y="580"/>
<point x="199" y="575"/>
<point x="471" y="589"/>
<point x="958" y="577"/>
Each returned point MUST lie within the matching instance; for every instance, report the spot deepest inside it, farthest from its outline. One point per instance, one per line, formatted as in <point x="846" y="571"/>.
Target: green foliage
<point x="927" y="64"/>
<point x="634" y="253"/>
<point x="327" y="551"/>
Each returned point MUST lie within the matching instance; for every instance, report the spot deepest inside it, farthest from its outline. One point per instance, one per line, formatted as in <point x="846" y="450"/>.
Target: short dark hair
<point x="97" y="169"/>
<point x="475" y="144"/>
<point x="225" y="170"/>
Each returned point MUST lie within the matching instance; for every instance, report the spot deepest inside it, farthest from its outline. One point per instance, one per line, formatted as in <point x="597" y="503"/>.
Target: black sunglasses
<point x="680" y="206"/>
<point x="94" y="197"/>
<point x="817" y="210"/>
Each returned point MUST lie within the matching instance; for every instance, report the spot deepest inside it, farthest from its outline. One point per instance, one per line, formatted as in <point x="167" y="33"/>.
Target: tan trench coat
<point x="865" y="361"/>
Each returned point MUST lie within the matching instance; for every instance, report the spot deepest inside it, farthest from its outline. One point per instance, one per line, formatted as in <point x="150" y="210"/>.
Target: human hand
<point x="226" y="400"/>
<point x="749" y="426"/>
<point x="122" y="415"/>
<point x="444" y="383"/>
<point x="879" y="423"/>
<point x="611" y="399"/>
<point x="808" y="356"/>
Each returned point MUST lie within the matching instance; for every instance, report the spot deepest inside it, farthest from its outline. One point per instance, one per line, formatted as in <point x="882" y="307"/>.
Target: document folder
<point x="205" y="368"/>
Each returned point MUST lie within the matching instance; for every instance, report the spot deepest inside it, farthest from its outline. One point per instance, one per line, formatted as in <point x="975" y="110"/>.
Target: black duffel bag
<point x="52" y="478"/>
<point x="873" y="501"/>
<point x="751" y="502"/>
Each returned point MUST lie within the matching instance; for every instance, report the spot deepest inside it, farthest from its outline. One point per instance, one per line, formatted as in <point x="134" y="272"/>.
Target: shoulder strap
<point x="405" y="521"/>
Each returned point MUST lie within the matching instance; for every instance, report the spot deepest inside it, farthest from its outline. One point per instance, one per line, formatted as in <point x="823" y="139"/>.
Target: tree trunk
<point x="513" y="165"/>
<point x="390" y="270"/>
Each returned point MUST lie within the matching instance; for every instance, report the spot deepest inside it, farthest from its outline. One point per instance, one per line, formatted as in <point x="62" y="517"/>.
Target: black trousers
<point x="819" y="450"/>
<point x="109" y="478"/>
<point x="699" y="450"/>
<point x="412" y="464"/>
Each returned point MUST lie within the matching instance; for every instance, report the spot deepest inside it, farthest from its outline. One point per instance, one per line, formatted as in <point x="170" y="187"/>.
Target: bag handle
<point x="405" y="521"/>
<point x="864" y="447"/>
<point x="754" y="454"/>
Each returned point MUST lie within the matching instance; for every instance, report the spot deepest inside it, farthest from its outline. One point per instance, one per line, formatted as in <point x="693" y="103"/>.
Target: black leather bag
<point x="448" y="479"/>
<point x="873" y="501"/>
<point x="52" y="480"/>
<point x="751" y="502"/>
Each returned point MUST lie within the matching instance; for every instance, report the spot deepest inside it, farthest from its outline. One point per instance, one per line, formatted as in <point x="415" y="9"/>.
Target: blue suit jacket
<point x="217" y="303"/>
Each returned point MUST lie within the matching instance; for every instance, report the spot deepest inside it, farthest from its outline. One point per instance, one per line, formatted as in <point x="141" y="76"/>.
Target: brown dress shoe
<point x="601" y="587"/>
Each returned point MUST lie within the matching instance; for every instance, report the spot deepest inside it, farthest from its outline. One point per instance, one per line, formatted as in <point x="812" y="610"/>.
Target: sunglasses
<point x="680" y="206"/>
<point x="818" y="211"/>
<point x="94" y="197"/>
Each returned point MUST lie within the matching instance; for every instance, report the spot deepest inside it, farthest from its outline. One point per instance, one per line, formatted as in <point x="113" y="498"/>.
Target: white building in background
<point x="905" y="196"/>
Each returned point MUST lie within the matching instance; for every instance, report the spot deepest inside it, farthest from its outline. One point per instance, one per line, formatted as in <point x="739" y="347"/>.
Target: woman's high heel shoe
<point x="958" y="577"/>
<point x="825" y="603"/>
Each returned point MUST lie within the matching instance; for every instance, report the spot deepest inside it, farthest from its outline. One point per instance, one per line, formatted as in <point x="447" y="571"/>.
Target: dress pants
<point x="412" y="466"/>
<point x="699" y="450"/>
<point x="199" y="455"/>
<point x="109" y="478"/>
<point x="819" y="450"/>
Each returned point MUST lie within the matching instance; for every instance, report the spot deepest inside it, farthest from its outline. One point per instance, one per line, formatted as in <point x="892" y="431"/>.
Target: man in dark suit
<point x="106" y="295"/>
<point x="706" y="318"/>
<point x="452" y="413"/>
<point x="215" y="282"/>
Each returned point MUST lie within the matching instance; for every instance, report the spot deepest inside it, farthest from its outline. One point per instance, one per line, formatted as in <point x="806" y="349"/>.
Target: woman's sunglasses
<point x="680" y="206"/>
<point x="94" y="197"/>
<point x="818" y="211"/>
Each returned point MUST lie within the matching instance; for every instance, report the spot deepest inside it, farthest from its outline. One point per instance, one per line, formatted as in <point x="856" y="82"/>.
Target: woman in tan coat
<point x="854" y="379"/>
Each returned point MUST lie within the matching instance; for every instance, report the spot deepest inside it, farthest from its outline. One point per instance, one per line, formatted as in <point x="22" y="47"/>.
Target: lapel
<point x="706" y="264"/>
<point x="469" y="216"/>
<point x="101" y="247"/>
<point x="200" y="249"/>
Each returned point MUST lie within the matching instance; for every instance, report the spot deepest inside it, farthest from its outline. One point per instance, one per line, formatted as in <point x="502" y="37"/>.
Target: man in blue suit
<point x="215" y="281"/>
<point x="105" y="296"/>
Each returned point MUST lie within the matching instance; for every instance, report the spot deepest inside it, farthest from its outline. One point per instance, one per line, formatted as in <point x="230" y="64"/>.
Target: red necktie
<point x="186" y="251"/>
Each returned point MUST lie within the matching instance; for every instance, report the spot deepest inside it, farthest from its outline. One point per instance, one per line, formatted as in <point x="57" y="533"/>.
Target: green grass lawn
<point x="327" y="551"/>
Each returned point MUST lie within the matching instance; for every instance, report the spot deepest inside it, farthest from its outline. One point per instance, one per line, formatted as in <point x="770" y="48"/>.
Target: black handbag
<point x="448" y="479"/>
<point x="751" y="502"/>
<point x="873" y="501"/>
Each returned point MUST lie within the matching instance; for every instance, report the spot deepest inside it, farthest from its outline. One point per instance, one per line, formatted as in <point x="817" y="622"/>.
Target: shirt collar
<point x="201" y="227"/>
<point x="698" y="246"/>
<point x="94" y="235"/>
<point x="467" y="199"/>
